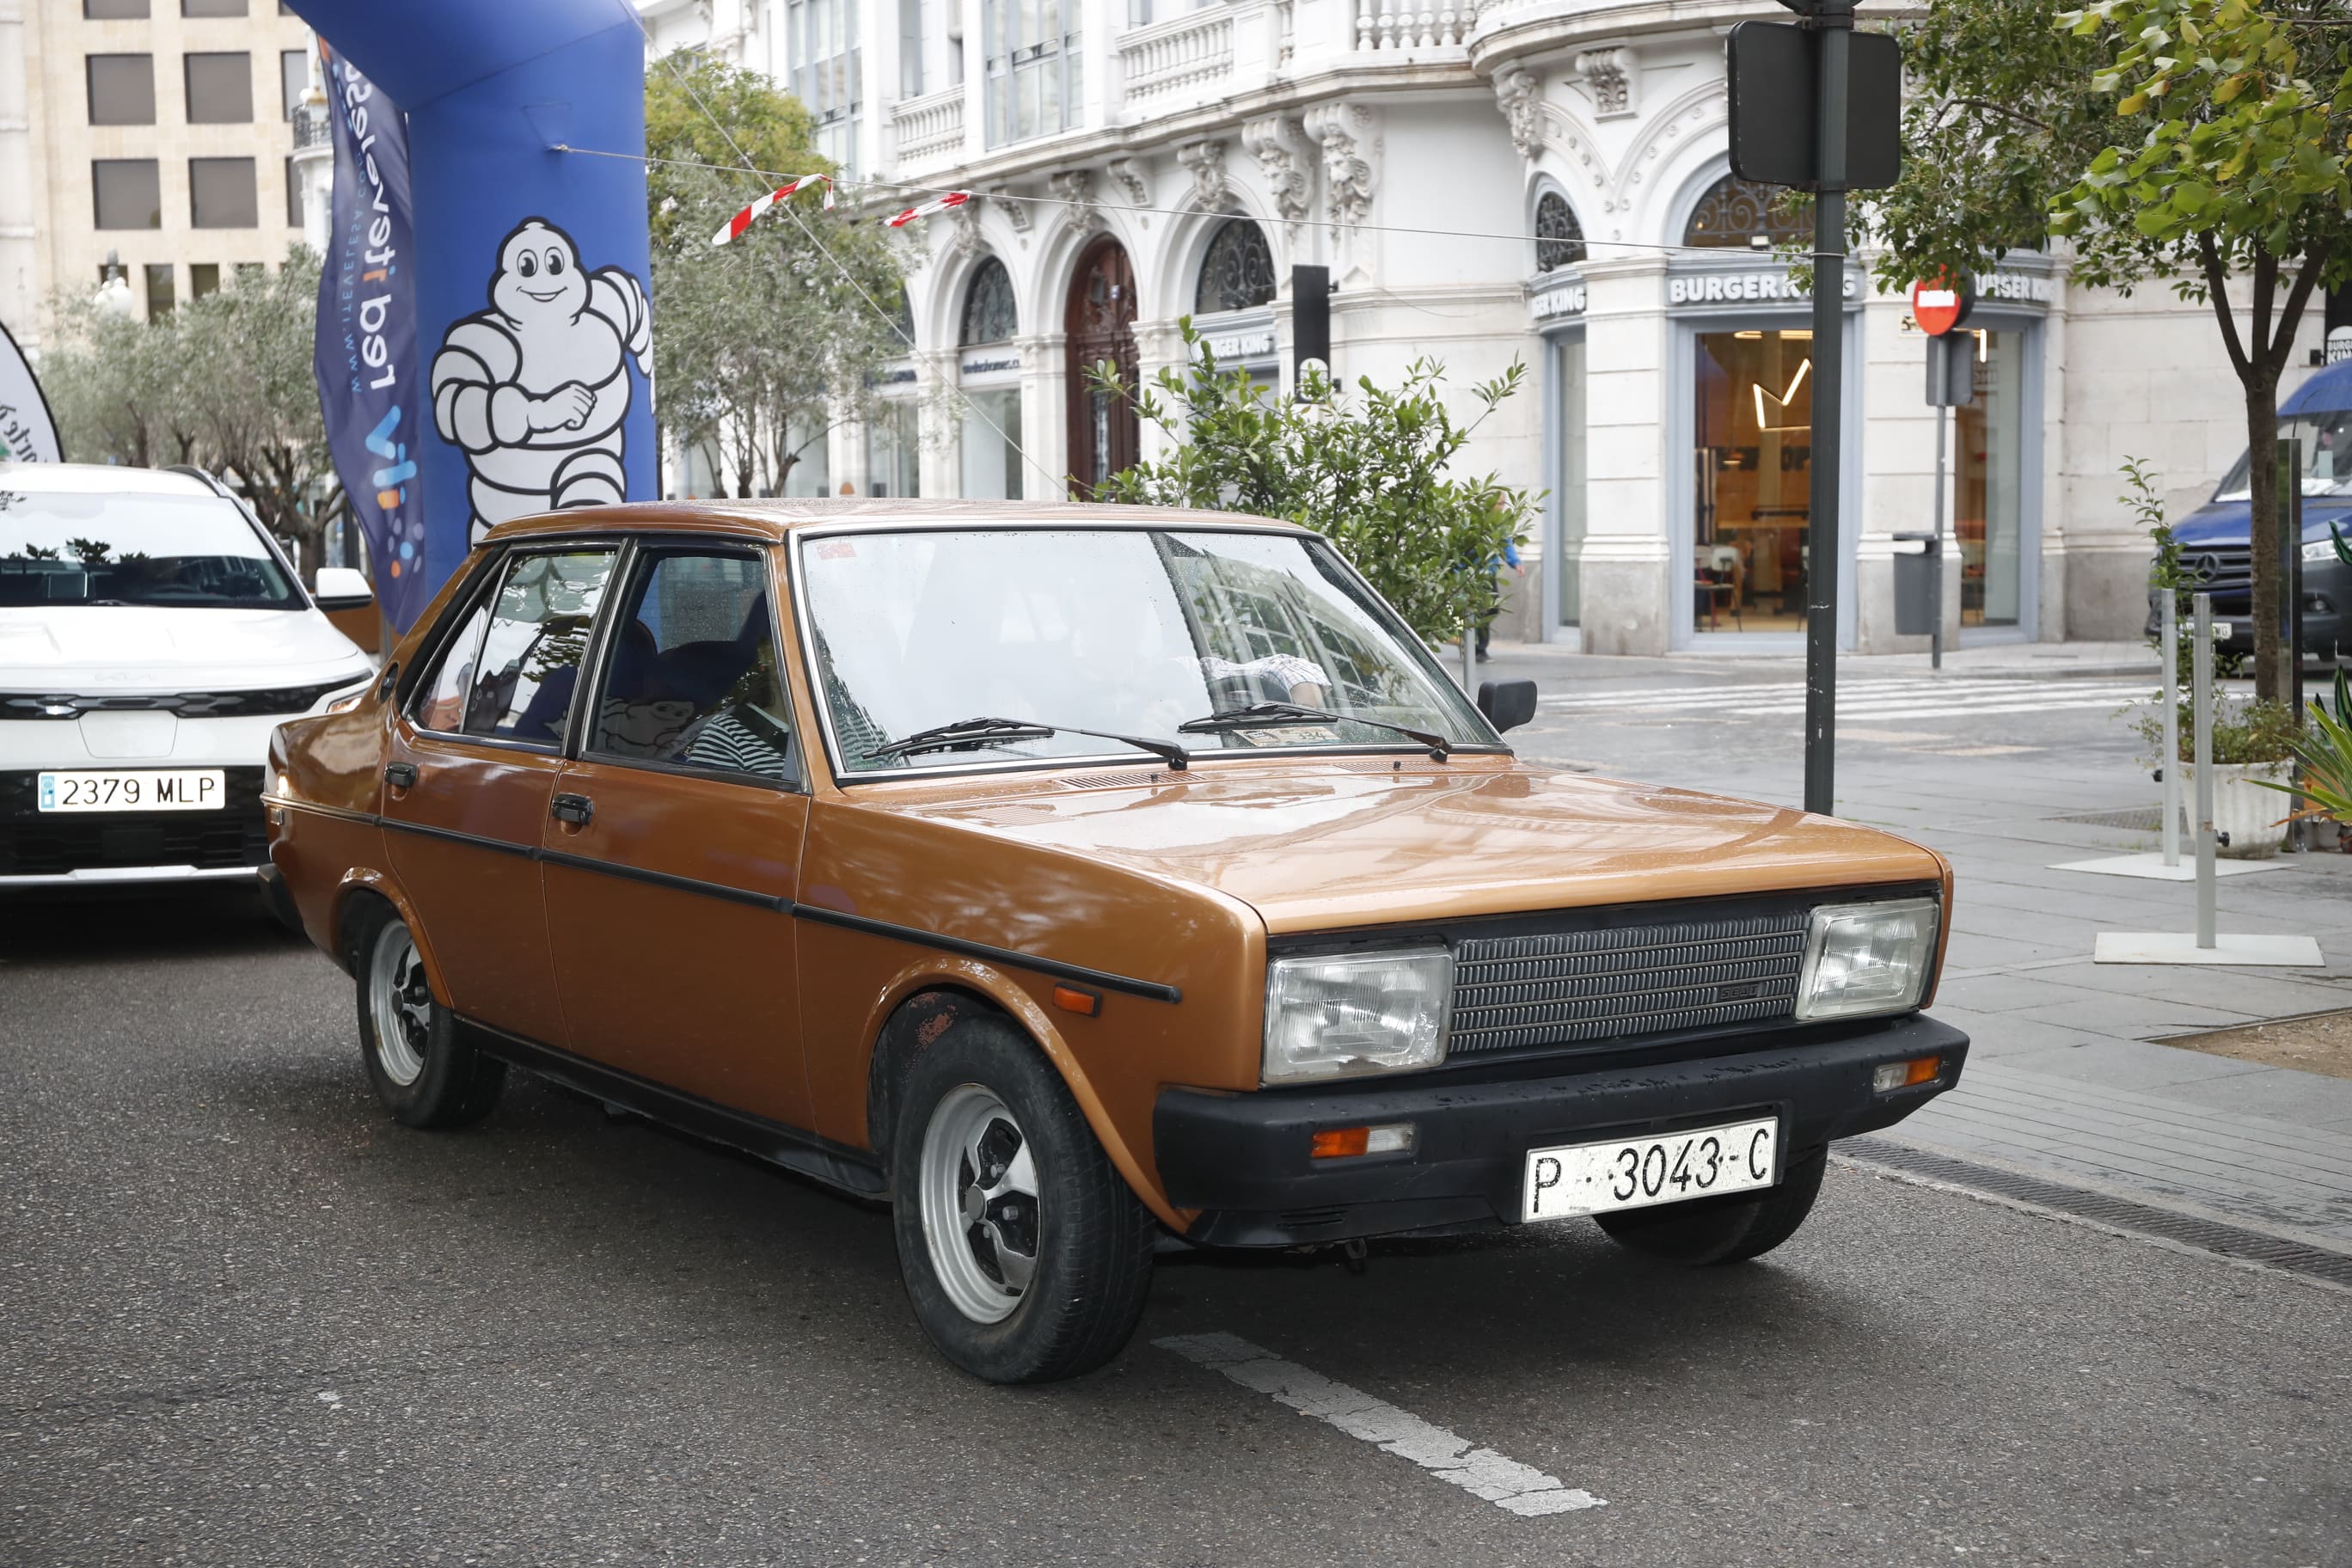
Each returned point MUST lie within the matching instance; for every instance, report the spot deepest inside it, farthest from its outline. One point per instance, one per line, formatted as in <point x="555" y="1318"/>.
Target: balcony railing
<point x="1416" y="24"/>
<point x="1187" y="56"/>
<point x="309" y="126"/>
<point x="927" y="131"/>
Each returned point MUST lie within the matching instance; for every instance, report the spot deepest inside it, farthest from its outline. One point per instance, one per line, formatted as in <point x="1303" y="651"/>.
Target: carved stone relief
<point x="1611" y="77"/>
<point x="1285" y="159"/>
<point x="1205" y="161"/>
<point x="1130" y="180"/>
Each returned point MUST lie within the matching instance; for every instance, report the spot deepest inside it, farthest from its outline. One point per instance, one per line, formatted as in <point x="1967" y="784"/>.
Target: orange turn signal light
<point x="1070" y="999"/>
<point x="1345" y="1142"/>
<point x="1893" y="1075"/>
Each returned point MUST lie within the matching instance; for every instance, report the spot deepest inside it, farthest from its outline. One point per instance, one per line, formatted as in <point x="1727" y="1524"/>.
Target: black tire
<point x="1082" y="1291"/>
<point x="1707" y="1231"/>
<point x="432" y="1075"/>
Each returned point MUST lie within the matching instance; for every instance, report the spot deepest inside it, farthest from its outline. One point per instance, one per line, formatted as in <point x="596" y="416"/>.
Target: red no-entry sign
<point x="1939" y="307"/>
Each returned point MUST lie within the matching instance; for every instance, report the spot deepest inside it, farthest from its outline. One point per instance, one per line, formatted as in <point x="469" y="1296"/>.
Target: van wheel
<point x="1728" y="1229"/>
<point x="1025" y="1255"/>
<point x="425" y="1070"/>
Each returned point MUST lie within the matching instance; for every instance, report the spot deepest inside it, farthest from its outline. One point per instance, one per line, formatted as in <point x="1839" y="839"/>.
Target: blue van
<point x="2216" y="539"/>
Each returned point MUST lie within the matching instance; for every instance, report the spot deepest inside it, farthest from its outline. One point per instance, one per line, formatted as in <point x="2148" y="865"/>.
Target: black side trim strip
<point x="1150" y="989"/>
<point x="837" y="1164"/>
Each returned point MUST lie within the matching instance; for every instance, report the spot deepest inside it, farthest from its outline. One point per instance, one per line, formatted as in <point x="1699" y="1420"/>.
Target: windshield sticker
<point x="1291" y="735"/>
<point x="836" y="550"/>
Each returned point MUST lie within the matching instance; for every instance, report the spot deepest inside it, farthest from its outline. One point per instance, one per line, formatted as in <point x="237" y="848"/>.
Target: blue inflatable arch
<point x="533" y="334"/>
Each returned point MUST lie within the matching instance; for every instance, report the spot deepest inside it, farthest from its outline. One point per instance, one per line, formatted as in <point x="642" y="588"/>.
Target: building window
<point x="991" y="445"/>
<point x="911" y="48"/>
<point x="1237" y="272"/>
<point x="127" y="193"/>
<point x="987" y="313"/>
<point x="902" y="319"/>
<point x="1559" y="241"/>
<point x="212" y="7"/>
<point x="820" y="41"/>
<point x="122" y="89"/>
<point x="1033" y="68"/>
<point x="293" y="196"/>
<point x="114" y="10"/>
<point x="221" y="193"/>
<point x="1739" y="214"/>
<point x="204" y="277"/>
<point x="293" y="80"/>
<point x="220" y="90"/>
<point x="159" y="290"/>
<point x="894" y="450"/>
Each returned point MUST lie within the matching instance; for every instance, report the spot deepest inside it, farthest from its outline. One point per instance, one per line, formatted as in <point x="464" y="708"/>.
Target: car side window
<point x="441" y="697"/>
<point x="693" y="679"/>
<point x="523" y="683"/>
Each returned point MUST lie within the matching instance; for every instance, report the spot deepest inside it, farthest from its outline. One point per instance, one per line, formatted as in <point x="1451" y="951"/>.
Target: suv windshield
<point x="191" y="550"/>
<point x="2327" y="456"/>
<point x="1132" y="631"/>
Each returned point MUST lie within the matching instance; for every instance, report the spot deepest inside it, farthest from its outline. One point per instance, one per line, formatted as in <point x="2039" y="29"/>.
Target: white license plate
<point x="125" y="789"/>
<point x="1634" y="1173"/>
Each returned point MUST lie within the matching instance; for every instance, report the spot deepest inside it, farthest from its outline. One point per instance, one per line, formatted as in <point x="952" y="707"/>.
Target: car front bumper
<point x="41" y="850"/>
<point x="1243" y="1160"/>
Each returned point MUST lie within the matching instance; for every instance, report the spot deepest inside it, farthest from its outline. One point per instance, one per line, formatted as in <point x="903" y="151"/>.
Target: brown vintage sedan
<point x="1082" y="880"/>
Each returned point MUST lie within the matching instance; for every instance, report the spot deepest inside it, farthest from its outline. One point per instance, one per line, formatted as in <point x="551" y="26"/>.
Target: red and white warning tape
<point x="749" y="216"/>
<point x="953" y="199"/>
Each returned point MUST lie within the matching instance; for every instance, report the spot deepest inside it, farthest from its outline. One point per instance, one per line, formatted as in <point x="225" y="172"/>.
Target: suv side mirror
<point x="1508" y="704"/>
<point x="344" y="588"/>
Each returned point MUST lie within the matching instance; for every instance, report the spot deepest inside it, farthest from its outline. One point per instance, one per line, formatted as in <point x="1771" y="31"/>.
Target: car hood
<point x="2232" y="521"/>
<point x="140" y="648"/>
<point x="1317" y="845"/>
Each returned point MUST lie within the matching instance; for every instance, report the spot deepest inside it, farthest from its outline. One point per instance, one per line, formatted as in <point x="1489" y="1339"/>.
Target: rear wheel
<point x="424" y="1069"/>
<point x="1728" y="1229"/>
<point x="1025" y="1255"/>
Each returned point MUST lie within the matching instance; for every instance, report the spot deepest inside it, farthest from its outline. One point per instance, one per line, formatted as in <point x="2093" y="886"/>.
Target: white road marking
<point x="1891" y="699"/>
<point x="1507" y="1484"/>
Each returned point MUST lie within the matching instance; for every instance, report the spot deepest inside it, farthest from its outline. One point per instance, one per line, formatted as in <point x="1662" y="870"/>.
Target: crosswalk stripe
<point x="1854" y="695"/>
<point x="1671" y="696"/>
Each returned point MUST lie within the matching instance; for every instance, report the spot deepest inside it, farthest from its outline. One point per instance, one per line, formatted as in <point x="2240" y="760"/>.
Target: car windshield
<point x="1132" y="631"/>
<point x="2327" y="456"/>
<point x="198" y="551"/>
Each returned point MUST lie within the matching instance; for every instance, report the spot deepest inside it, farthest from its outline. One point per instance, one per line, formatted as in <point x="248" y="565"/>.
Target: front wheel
<point x="425" y="1070"/>
<point x="1730" y="1229"/>
<point x="1025" y="1255"/>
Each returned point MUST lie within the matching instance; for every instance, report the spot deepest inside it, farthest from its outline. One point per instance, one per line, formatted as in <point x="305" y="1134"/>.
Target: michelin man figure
<point x="534" y="389"/>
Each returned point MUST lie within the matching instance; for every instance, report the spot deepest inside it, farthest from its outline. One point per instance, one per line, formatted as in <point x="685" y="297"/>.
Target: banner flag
<point x="366" y="351"/>
<point x="27" y="432"/>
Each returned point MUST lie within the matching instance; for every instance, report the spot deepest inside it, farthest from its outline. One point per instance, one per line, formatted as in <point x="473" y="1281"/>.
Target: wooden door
<point x="1099" y="324"/>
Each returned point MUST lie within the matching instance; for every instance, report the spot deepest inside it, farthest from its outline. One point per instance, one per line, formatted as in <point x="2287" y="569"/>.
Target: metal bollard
<point x="2201" y="741"/>
<point x="2171" y="634"/>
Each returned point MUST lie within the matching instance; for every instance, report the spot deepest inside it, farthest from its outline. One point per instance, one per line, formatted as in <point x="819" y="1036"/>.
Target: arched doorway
<point x="1099" y="324"/>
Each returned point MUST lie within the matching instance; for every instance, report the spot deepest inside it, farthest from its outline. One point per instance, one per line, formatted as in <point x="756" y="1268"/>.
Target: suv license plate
<point x="1634" y="1173"/>
<point x="124" y="789"/>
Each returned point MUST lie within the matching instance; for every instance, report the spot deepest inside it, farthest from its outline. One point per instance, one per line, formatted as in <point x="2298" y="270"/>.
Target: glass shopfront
<point x="1752" y="489"/>
<point x="1989" y="487"/>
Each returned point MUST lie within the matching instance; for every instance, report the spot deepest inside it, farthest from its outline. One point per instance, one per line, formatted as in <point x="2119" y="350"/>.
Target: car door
<point x="467" y="776"/>
<point x="673" y="854"/>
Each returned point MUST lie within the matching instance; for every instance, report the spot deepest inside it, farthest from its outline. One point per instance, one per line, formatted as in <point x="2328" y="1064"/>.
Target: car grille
<point x="2224" y="570"/>
<point x="68" y="705"/>
<point x="1569" y="987"/>
<point x="33" y="844"/>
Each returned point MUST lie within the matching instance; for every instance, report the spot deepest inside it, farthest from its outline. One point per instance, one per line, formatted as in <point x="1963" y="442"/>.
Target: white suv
<point x="152" y="635"/>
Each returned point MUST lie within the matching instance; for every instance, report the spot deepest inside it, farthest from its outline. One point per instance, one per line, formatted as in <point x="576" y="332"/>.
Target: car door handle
<point x="400" y="775"/>
<point x="575" y="809"/>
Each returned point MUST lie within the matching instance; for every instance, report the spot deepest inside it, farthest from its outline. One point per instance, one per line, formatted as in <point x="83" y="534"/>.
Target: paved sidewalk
<point x="2068" y="1076"/>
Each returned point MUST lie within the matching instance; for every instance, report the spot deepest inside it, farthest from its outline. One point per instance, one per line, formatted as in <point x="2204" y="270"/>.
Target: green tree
<point x="762" y="344"/>
<point x="2202" y="142"/>
<point x="1366" y="471"/>
<point x="224" y="383"/>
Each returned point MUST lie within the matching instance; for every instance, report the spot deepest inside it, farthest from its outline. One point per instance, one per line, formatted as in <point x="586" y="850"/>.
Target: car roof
<point x="100" y="479"/>
<point x="778" y="519"/>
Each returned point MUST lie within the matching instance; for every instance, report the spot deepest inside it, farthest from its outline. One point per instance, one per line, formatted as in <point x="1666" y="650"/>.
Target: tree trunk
<point x="2272" y="680"/>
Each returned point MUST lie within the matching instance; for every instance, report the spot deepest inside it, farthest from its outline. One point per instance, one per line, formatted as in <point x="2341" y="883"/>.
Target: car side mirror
<point x="344" y="588"/>
<point x="1508" y="704"/>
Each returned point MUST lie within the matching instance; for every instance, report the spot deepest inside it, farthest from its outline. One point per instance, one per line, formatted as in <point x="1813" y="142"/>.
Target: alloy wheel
<point x="978" y="1189"/>
<point x="400" y="1003"/>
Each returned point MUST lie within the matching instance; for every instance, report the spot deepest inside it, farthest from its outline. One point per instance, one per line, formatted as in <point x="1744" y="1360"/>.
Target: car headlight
<point x="344" y="701"/>
<point x="1340" y="1015"/>
<point x="1866" y="958"/>
<point x="2320" y="550"/>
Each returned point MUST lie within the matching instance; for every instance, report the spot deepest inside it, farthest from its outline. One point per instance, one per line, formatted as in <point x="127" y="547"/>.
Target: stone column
<point x="1627" y="578"/>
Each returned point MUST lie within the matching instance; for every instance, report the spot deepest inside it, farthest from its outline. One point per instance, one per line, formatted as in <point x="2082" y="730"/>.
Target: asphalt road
<point x="248" y="1319"/>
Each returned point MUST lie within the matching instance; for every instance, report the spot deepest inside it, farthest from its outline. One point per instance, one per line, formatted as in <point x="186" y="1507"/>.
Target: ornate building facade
<point x="1539" y="181"/>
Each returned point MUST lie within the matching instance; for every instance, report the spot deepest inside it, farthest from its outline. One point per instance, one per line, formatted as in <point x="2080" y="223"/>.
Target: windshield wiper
<point x="971" y="733"/>
<point x="1267" y="715"/>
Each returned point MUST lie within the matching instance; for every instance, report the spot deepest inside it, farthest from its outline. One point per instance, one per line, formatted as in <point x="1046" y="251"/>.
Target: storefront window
<point x="1987" y="518"/>
<point x="1569" y="488"/>
<point x="1753" y="491"/>
<point x="991" y="445"/>
<point x="894" y="452"/>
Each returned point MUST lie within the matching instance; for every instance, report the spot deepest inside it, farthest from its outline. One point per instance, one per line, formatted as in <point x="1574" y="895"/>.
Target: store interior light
<point x="1783" y="399"/>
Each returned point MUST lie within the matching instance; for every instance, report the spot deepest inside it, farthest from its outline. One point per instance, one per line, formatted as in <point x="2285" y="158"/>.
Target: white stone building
<point x="1544" y="181"/>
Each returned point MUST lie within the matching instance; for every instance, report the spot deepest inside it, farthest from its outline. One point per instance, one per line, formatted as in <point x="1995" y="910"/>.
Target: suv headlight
<point x="2319" y="550"/>
<point x="1866" y="958"/>
<point x="1342" y="1015"/>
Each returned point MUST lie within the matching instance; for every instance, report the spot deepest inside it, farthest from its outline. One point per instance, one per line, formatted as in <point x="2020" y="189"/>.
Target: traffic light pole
<point x="1833" y="21"/>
